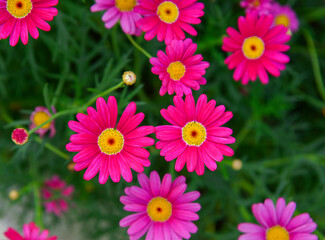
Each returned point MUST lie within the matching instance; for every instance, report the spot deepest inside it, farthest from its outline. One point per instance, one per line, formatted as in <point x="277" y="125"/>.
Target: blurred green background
<point x="279" y="127"/>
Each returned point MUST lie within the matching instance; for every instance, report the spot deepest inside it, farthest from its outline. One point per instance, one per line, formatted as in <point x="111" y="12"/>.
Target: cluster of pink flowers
<point x="195" y="137"/>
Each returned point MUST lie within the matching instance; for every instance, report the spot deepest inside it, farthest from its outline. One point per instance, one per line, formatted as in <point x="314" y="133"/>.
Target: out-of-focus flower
<point x="237" y="164"/>
<point x="286" y="16"/>
<point x="20" y="17"/>
<point x="30" y="232"/>
<point x="56" y="195"/>
<point x="116" y="10"/>
<point x="109" y="148"/>
<point x="276" y="223"/>
<point x="196" y="136"/>
<point x="39" y="116"/>
<point x="179" y="69"/>
<point x="162" y="209"/>
<point x="257" y="48"/>
<point x="169" y="19"/>
<point x="19" y="136"/>
<point x="13" y="195"/>
<point x="257" y="6"/>
<point x="129" y="78"/>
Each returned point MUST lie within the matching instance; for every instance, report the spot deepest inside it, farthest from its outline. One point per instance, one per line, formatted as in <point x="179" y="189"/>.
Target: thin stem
<point x="172" y="170"/>
<point x="77" y="109"/>
<point x="58" y="90"/>
<point x="243" y="133"/>
<point x="53" y="148"/>
<point x="38" y="206"/>
<point x="138" y="46"/>
<point x="315" y="63"/>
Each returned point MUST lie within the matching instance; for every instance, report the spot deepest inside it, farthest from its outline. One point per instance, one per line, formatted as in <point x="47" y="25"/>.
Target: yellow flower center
<point x="168" y="12"/>
<point x="111" y="141"/>
<point x="282" y="19"/>
<point x="256" y="3"/>
<point x="41" y="117"/>
<point x="159" y="209"/>
<point x="277" y="233"/>
<point x="125" y="5"/>
<point x="176" y="70"/>
<point x="194" y="134"/>
<point x="253" y="47"/>
<point x="19" y="8"/>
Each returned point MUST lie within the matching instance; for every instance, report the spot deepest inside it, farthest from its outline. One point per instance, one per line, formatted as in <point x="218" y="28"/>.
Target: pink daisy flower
<point x="161" y="208"/>
<point x="277" y="223"/>
<point x="56" y="193"/>
<point x="284" y="15"/>
<point x="169" y="19"/>
<point x="196" y="136"/>
<point x="19" y="136"/>
<point x="257" y="48"/>
<point x="20" y="17"/>
<point x="122" y="10"/>
<point x="258" y="6"/>
<point x="39" y="116"/>
<point x="179" y="69"/>
<point x="31" y="232"/>
<point x="110" y="148"/>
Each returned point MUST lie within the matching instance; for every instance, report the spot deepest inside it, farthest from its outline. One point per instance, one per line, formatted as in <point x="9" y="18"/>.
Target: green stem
<point x="77" y="109"/>
<point x="138" y="46"/>
<point x="172" y="170"/>
<point x="58" y="89"/>
<point x="38" y="206"/>
<point x="243" y="133"/>
<point x="315" y="63"/>
<point x="53" y="148"/>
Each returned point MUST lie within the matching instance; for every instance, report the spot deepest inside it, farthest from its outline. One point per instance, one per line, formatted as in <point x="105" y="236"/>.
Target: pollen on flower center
<point x="277" y="233"/>
<point x="253" y="47"/>
<point x="168" y="12"/>
<point x="282" y="19"/>
<point x="176" y="70"/>
<point x="19" y="8"/>
<point x="111" y="141"/>
<point x="125" y="5"/>
<point x="194" y="134"/>
<point x="159" y="209"/>
<point x="40" y="117"/>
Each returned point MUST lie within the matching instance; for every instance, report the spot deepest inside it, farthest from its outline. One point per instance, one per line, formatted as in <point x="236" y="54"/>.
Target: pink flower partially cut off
<point x="257" y="6"/>
<point x="116" y="10"/>
<point x="256" y="49"/>
<point x="160" y="208"/>
<point x="286" y="16"/>
<point x="196" y="137"/>
<point x="56" y="194"/>
<point x="30" y="232"/>
<point x="169" y="19"/>
<point x="109" y="147"/>
<point x="179" y="69"/>
<point x="22" y="17"/>
<point x="276" y="223"/>
<point x="39" y="116"/>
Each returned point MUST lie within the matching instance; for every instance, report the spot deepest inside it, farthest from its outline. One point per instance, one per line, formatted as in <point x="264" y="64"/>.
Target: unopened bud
<point x="71" y="166"/>
<point x="14" y="195"/>
<point x="237" y="164"/>
<point x="19" y="136"/>
<point x="129" y="78"/>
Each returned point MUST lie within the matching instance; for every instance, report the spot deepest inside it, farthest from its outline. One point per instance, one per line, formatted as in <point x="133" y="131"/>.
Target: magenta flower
<point x="56" y="195"/>
<point x="39" y="116"/>
<point x="20" y="17"/>
<point x="122" y="10"/>
<point x="257" y="48"/>
<point x="162" y="209"/>
<point x="284" y="15"/>
<point x="169" y="19"/>
<point x="31" y="232"/>
<point x="196" y="136"/>
<point x="276" y="223"/>
<point x="19" y="136"/>
<point x="108" y="148"/>
<point x="257" y="6"/>
<point x="179" y="69"/>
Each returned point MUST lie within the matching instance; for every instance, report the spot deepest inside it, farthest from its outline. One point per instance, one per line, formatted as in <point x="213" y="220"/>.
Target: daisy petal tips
<point x="196" y="137"/>
<point x="256" y="49"/>
<point x="162" y="209"/>
<point x="276" y="223"/>
<point x="20" y="17"/>
<point x="108" y="147"/>
<point x="179" y="69"/>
